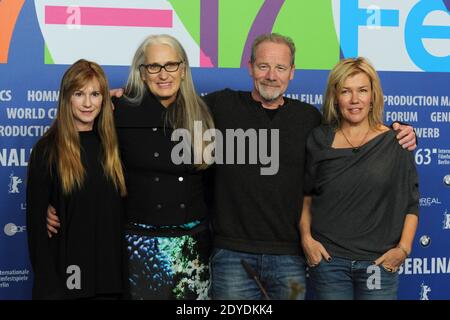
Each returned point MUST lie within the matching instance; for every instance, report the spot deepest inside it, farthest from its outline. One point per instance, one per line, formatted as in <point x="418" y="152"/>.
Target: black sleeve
<point x="318" y="139"/>
<point x="308" y="185"/>
<point x="41" y="248"/>
<point x="413" y="184"/>
<point x="319" y="118"/>
<point x="211" y="100"/>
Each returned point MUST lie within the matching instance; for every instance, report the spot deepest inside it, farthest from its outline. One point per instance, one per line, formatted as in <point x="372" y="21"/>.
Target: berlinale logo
<point x="424" y="290"/>
<point x="446" y="221"/>
<point x="14" y="182"/>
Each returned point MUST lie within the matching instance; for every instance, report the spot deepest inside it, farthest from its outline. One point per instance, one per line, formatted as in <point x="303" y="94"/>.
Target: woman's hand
<point x="52" y="221"/>
<point x="314" y="251"/>
<point x="392" y="259"/>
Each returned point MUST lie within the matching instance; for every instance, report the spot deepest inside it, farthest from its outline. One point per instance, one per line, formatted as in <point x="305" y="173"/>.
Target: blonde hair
<point x="64" y="146"/>
<point x="348" y="68"/>
<point x="189" y="106"/>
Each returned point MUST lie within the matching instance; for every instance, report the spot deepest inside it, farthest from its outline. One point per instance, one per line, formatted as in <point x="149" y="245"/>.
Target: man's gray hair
<point x="276" y="38"/>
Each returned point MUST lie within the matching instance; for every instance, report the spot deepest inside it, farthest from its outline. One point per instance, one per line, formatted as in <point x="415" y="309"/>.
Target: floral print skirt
<point x="170" y="262"/>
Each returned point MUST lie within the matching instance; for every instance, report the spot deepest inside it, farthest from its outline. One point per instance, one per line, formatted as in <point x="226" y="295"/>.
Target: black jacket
<point x="159" y="191"/>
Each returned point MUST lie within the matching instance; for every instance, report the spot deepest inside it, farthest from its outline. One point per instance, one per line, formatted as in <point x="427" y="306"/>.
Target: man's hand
<point x="406" y="136"/>
<point x="52" y="221"/>
<point x="116" y="92"/>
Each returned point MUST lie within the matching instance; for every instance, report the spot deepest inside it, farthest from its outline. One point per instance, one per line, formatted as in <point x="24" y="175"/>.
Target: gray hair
<point x="276" y="38"/>
<point x="189" y="106"/>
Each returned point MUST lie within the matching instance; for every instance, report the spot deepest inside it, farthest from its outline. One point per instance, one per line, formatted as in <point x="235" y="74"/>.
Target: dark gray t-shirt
<point x="360" y="199"/>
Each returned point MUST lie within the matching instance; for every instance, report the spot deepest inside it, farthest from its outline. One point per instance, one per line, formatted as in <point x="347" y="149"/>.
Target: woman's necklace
<point x="355" y="149"/>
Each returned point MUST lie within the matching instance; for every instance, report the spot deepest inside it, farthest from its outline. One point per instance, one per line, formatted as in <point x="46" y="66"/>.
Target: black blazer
<point x="159" y="191"/>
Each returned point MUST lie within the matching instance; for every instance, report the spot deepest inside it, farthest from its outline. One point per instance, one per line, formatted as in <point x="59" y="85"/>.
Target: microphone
<point x="252" y="274"/>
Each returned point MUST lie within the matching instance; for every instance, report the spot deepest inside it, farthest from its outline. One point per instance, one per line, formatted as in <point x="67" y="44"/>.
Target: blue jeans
<point x="343" y="279"/>
<point x="282" y="276"/>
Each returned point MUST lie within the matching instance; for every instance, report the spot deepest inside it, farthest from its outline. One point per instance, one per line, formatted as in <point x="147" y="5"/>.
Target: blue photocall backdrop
<point x="407" y="40"/>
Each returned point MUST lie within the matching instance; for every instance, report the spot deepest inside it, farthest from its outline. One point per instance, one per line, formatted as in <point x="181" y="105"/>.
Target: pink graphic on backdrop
<point x="205" y="61"/>
<point x="209" y="33"/>
<point x="92" y="16"/>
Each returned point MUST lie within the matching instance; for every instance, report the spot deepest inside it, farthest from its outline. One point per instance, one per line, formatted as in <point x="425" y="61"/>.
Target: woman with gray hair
<point x="167" y="231"/>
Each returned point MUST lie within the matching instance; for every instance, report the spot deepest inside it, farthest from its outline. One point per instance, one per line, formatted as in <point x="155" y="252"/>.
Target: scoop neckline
<point x="361" y="146"/>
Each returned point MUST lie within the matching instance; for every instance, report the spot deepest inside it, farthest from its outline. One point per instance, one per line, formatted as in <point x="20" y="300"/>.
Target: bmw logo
<point x="447" y="180"/>
<point x="425" y="241"/>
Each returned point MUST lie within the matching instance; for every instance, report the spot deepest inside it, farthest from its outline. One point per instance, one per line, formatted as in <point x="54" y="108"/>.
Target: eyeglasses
<point x="154" y="68"/>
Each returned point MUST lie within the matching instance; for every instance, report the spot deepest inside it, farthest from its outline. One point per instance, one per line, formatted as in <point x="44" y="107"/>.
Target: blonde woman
<point x="361" y="213"/>
<point x="76" y="168"/>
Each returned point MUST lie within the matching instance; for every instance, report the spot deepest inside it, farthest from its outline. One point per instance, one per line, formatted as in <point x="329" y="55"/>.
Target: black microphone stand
<point x="252" y="274"/>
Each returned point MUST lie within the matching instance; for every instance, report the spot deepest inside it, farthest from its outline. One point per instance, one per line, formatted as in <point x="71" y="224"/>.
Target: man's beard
<point x="269" y="96"/>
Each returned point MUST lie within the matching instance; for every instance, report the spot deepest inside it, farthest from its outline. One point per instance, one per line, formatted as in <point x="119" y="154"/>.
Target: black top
<point x="260" y="213"/>
<point x="270" y="112"/>
<point x="360" y="199"/>
<point x="159" y="191"/>
<point x="90" y="236"/>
